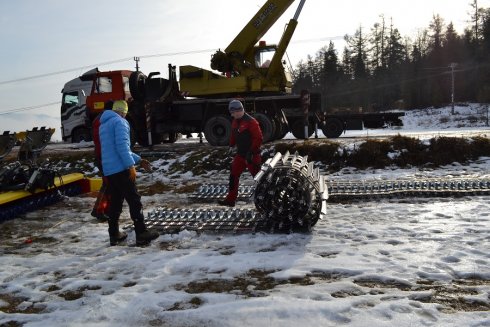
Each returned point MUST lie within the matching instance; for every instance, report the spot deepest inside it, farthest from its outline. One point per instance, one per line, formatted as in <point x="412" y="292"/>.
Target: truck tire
<point x="137" y="85"/>
<point x="266" y="126"/>
<point x="172" y="137"/>
<point x="142" y="138"/>
<point x="81" y="134"/>
<point x="333" y="128"/>
<point x="298" y="129"/>
<point x="217" y="130"/>
<point x="282" y="129"/>
<point x="157" y="138"/>
<point x="278" y="129"/>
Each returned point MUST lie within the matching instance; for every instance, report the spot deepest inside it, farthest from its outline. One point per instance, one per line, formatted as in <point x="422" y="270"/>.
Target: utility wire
<point x="28" y="108"/>
<point x="62" y="71"/>
<point x="144" y="56"/>
<point x="102" y="64"/>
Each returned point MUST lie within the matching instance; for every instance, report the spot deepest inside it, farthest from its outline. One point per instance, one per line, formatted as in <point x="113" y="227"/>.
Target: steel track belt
<point x="290" y="195"/>
<point x="445" y="187"/>
<point x="213" y="192"/>
<point x="169" y="221"/>
<point x="365" y="189"/>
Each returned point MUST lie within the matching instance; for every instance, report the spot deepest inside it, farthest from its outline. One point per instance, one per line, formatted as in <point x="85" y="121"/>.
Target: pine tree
<point x="377" y="50"/>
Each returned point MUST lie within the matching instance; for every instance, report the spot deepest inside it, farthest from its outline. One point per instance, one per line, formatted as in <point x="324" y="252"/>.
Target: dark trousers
<point x="120" y="188"/>
<point x="238" y="166"/>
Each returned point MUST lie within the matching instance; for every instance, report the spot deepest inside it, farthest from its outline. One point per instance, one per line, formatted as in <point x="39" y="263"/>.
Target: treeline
<point x="379" y="69"/>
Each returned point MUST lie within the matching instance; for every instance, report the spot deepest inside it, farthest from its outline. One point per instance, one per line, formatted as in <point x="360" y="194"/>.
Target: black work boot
<point x="116" y="239"/>
<point x="144" y="236"/>
<point x="115" y="236"/>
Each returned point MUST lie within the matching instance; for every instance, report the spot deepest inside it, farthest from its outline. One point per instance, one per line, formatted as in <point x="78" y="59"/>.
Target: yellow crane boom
<point x="242" y="71"/>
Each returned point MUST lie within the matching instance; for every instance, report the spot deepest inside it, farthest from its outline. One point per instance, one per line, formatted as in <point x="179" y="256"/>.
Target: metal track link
<point x="357" y="189"/>
<point x="445" y="187"/>
<point x="213" y="192"/>
<point x="170" y="221"/>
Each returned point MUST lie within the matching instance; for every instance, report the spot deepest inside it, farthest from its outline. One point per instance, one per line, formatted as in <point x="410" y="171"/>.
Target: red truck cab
<point x="108" y="86"/>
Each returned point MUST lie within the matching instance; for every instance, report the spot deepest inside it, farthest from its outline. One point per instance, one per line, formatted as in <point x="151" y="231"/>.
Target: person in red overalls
<point x="247" y="137"/>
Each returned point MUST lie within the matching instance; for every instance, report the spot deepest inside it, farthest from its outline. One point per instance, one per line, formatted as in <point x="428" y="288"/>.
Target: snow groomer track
<point x="290" y="195"/>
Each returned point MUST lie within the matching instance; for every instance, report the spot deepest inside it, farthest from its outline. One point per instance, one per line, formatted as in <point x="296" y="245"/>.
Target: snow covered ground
<point x="405" y="262"/>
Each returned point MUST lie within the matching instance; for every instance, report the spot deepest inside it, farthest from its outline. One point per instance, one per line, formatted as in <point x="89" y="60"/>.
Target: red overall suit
<point x="101" y="205"/>
<point x="247" y="136"/>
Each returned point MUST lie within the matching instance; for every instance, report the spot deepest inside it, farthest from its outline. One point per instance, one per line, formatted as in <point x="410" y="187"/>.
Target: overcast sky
<point x="51" y="36"/>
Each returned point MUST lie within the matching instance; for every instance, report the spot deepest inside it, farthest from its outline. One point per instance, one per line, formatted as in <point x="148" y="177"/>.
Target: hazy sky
<point x="51" y="36"/>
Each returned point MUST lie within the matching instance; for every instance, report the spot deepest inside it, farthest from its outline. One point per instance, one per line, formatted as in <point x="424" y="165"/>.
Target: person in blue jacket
<point x="118" y="165"/>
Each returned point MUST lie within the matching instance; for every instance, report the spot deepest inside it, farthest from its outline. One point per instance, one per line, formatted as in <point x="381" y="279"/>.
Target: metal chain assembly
<point x="290" y="195"/>
<point x="290" y="191"/>
<point x="429" y="187"/>
<point x="170" y="221"/>
<point x="213" y="192"/>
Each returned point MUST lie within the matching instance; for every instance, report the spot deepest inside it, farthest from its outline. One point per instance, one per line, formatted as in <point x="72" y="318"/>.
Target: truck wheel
<point x="142" y="139"/>
<point x="266" y="126"/>
<point x="137" y="85"/>
<point x="81" y="134"/>
<point x="278" y="129"/>
<point x="333" y="128"/>
<point x="156" y="138"/>
<point x="217" y="130"/>
<point x="298" y="129"/>
<point x="172" y="137"/>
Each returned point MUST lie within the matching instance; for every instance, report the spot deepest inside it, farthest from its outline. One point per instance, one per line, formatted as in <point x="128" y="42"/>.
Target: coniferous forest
<point x="379" y="69"/>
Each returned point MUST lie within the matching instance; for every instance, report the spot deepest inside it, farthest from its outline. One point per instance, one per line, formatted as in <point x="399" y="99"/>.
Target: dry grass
<point x="398" y="151"/>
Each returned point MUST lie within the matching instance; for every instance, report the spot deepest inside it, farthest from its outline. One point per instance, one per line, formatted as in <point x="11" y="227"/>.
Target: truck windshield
<point x="69" y="100"/>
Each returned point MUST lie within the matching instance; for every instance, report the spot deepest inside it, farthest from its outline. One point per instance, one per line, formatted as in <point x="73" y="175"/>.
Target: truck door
<point x="108" y="86"/>
<point x="73" y="112"/>
<point x="102" y="91"/>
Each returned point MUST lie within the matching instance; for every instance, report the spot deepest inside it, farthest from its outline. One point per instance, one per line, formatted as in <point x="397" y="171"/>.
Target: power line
<point x="62" y="71"/>
<point x="144" y="56"/>
<point x="10" y="111"/>
<point x="102" y="64"/>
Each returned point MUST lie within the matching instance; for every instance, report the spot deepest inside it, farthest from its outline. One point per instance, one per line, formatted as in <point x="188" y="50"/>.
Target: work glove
<point x="132" y="174"/>
<point x="249" y="156"/>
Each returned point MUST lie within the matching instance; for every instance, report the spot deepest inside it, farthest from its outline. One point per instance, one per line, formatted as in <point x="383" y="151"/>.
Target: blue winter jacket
<point x="115" y="144"/>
